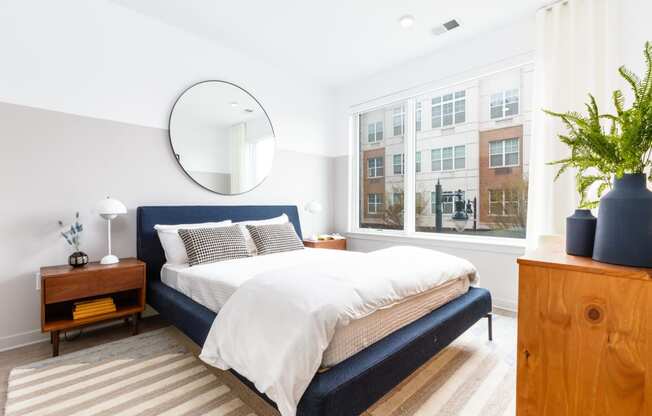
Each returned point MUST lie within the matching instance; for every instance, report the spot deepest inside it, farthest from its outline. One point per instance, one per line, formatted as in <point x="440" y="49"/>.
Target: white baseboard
<point x="506" y="304"/>
<point x="22" y="339"/>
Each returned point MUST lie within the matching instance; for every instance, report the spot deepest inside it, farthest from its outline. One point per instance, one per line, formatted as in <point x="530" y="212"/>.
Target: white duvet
<point x="275" y="327"/>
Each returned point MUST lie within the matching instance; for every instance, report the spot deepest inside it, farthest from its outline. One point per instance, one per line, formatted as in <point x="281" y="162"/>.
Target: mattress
<point x="211" y="285"/>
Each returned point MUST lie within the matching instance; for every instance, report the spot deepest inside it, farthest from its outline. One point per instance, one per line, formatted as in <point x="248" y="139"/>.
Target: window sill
<point x="515" y="246"/>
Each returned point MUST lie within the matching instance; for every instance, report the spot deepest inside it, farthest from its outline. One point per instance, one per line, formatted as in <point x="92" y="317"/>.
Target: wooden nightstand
<point x="339" y="244"/>
<point x="62" y="286"/>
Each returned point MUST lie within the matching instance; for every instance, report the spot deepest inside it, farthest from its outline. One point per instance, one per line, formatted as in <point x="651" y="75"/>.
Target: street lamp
<point x="460" y="217"/>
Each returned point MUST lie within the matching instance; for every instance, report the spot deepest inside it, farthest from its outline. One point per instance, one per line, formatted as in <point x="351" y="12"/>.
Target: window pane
<point x="466" y="158"/>
<point x="418" y="116"/>
<point x="460" y="157"/>
<point x="382" y="164"/>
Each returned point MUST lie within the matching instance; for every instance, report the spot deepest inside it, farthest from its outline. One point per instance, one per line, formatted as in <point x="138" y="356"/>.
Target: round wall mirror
<point x="222" y="137"/>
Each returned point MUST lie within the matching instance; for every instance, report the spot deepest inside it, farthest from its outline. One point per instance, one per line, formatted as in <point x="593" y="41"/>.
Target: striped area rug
<point x="155" y="374"/>
<point x="150" y="374"/>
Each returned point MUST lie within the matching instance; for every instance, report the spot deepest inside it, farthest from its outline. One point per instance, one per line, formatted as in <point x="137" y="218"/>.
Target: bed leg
<point x="489" y="317"/>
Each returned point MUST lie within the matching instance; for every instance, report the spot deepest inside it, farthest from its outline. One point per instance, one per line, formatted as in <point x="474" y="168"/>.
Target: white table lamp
<point x="109" y="209"/>
<point x="313" y="208"/>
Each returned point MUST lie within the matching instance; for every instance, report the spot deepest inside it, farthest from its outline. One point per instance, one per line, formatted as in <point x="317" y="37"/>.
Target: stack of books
<point x="90" y="308"/>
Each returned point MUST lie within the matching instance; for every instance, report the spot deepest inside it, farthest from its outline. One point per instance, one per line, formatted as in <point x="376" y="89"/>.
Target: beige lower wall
<point x="53" y="164"/>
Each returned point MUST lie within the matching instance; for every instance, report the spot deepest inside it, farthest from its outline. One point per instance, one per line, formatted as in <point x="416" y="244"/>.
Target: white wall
<point x="88" y="62"/>
<point x="99" y="59"/>
<point x="510" y="46"/>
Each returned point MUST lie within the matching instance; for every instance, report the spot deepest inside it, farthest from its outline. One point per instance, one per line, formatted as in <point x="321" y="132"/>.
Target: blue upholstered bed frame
<point x="350" y="387"/>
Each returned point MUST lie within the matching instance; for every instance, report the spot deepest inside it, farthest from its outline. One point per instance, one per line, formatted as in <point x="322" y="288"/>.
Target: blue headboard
<point x="149" y="247"/>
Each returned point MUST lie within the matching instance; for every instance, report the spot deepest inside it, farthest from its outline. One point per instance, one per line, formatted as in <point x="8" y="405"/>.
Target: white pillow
<point x="175" y="251"/>
<point x="251" y="245"/>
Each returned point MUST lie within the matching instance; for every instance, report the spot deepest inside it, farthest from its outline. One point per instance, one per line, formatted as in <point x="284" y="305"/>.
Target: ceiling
<point x="334" y="41"/>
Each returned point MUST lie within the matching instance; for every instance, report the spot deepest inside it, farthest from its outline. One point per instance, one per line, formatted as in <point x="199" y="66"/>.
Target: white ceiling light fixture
<point x="233" y="104"/>
<point x="406" y="21"/>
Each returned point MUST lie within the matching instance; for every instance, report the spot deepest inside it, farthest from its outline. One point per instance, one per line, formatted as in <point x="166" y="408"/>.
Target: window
<point x="460" y="157"/>
<point x="447" y="202"/>
<point x="375" y="132"/>
<point x="471" y="161"/>
<point x="503" y="202"/>
<point x="381" y="165"/>
<point x="375" y="167"/>
<point x="442" y="159"/>
<point x="375" y="203"/>
<point x="503" y="153"/>
<point x="398" y="117"/>
<point x="399" y="164"/>
<point x="449" y="109"/>
<point x="504" y="104"/>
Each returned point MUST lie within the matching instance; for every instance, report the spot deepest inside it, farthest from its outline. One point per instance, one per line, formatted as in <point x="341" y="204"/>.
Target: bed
<point x="350" y="386"/>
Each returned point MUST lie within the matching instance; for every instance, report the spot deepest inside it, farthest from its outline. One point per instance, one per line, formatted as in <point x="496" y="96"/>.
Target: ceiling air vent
<point x="443" y="28"/>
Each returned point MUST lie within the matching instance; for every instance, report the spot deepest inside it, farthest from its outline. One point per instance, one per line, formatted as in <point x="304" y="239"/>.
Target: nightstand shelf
<point x="62" y="286"/>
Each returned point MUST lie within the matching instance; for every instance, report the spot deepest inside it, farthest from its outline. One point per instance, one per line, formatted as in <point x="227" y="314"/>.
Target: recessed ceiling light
<point x="249" y="110"/>
<point x="233" y="103"/>
<point x="406" y="21"/>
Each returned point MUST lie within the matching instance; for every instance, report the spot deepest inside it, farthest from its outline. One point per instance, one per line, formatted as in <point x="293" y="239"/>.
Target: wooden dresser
<point x="584" y="336"/>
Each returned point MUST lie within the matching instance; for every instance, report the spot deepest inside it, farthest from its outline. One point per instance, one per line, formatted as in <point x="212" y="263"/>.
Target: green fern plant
<point x="597" y="152"/>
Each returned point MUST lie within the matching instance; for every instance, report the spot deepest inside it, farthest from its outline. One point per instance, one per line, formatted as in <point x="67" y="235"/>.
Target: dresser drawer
<point x="98" y="282"/>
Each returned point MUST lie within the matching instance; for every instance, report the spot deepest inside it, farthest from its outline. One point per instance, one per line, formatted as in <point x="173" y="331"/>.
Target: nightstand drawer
<point x="98" y="282"/>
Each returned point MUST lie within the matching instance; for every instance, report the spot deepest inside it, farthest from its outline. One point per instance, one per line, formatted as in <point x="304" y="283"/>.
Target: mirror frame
<point x="174" y="154"/>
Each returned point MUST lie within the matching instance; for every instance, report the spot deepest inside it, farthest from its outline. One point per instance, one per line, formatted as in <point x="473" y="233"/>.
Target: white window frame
<point x="408" y="235"/>
<point x="376" y="132"/>
<point x="504" y="154"/>
<point x="378" y="202"/>
<point x="503" y="104"/>
<point x="398" y="113"/>
<point x="400" y="165"/>
<point x="377" y="167"/>
<point x="441" y="101"/>
<point x="453" y="158"/>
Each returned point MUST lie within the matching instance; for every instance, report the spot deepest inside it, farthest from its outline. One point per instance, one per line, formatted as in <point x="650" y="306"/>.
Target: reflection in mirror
<point x="222" y="137"/>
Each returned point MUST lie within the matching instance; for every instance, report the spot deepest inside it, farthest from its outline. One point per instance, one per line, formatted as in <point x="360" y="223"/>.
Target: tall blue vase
<point x="624" y="231"/>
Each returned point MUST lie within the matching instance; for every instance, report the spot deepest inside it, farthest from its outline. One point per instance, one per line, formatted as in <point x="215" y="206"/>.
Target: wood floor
<point x="504" y="340"/>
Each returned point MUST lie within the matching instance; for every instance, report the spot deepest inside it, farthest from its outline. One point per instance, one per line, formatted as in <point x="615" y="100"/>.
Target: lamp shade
<point x="313" y="207"/>
<point x="110" y="207"/>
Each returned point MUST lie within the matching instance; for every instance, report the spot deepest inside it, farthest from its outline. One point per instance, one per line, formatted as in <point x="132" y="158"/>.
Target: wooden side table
<point x="339" y="244"/>
<point x="62" y="286"/>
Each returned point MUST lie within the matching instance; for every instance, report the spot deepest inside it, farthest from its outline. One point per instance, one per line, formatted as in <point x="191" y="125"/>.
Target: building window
<point x="503" y="153"/>
<point x="399" y="164"/>
<point x="504" y="104"/>
<point x="375" y="168"/>
<point x="447" y="202"/>
<point x="418" y="116"/>
<point x="374" y="203"/>
<point x="448" y="158"/>
<point x="503" y="202"/>
<point x="417" y="162"/>
<point x="449" y="109"/>
<point x="375" y="132"/>
<point x="460" y="157"/>
<point x="398" y="117"/>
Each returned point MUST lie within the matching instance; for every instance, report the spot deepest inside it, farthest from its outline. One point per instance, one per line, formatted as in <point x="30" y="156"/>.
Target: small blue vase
<point x="624" y="231"/>
<point x="580" y="233"/>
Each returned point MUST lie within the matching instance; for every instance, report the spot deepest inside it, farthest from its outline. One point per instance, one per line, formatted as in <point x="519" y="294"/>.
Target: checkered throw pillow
<point x="210" y="245"/>
<point x="275" y="238"/>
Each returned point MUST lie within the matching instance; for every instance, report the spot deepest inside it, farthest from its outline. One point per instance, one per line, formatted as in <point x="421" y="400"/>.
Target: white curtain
<point x="577" y="53"/>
